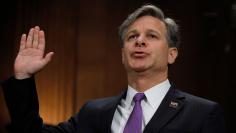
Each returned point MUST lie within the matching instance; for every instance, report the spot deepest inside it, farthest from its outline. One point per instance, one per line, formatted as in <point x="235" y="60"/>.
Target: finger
<point x="41" y="43"/>
<point x="48" y="57"/>
<point x="35" y="37"/>
<point x="29" y="38"/>
<point x="22" y="42"/>
<point x="37" y="27"/>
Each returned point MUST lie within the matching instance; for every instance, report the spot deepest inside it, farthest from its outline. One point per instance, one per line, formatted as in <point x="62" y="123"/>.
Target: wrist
<point x="22" y="76"/>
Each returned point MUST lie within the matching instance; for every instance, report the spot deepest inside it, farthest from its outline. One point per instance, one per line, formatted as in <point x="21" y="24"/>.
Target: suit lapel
<point x="170" y="106"/>
<point x="109" y="111"/>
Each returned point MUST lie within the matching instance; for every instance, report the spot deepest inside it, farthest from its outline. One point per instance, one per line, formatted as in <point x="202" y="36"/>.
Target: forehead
<point x="147" y="23"/>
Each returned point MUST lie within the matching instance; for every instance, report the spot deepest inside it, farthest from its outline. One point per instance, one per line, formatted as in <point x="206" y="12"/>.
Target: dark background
<point x="87" y="61"/>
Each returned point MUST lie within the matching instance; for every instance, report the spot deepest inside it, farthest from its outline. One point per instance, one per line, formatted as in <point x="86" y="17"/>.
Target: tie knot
<point x="138" y="97"/>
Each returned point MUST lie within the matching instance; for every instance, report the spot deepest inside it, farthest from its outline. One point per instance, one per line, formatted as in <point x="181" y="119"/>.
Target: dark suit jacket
<point x="179" y="112"/>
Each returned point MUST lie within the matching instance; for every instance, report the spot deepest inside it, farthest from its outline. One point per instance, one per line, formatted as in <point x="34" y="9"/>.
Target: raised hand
<point x="30" y="58"/>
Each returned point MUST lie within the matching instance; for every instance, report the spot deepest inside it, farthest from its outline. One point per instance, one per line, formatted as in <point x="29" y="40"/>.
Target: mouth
<point x="139" y="54"/>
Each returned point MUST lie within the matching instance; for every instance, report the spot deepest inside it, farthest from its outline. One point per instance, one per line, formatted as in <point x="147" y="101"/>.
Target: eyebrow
<point x="153" y="31"/>
<point x="149" y="30"/>
<point x="132" y="31"/>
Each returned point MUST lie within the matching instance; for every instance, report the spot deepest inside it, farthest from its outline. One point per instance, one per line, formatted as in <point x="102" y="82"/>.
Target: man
<point x="150" y="104"/>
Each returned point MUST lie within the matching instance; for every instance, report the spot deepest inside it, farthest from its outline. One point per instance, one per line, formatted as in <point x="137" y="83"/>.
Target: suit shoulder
<point x="100" y="103"/>
<point x="196" y="100"/>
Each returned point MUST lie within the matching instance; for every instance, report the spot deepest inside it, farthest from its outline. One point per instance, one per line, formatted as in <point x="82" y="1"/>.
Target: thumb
<point x="48" y="57"/>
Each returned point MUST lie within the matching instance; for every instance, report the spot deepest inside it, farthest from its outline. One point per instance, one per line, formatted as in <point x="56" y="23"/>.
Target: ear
<point x="172" y="55"/>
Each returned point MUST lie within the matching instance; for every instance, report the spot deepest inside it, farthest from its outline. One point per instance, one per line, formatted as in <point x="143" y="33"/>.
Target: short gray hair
<point x="172" y="28"/>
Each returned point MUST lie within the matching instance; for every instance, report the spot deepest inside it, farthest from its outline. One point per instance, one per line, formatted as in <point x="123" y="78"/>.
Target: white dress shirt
<point x="150" y="104"/>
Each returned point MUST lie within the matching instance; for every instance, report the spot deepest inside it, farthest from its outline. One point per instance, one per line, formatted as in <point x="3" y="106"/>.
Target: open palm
<point x="30" y="58"/>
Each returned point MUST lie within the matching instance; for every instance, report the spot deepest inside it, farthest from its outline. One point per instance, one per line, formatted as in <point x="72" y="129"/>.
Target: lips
<point x="139" y="54"/>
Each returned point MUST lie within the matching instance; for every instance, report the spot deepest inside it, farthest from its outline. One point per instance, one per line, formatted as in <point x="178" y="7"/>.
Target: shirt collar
<point x="154" y="95"/>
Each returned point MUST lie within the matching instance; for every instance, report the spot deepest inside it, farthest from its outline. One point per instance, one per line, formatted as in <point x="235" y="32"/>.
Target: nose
<point x="140" y="42"/>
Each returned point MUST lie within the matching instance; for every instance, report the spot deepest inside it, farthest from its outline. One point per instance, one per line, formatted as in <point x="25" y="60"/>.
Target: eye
<point x="132" y="37"/>
<point x="152" y="36"/>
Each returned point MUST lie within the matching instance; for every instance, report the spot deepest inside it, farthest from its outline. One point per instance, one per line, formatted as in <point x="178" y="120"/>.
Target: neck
<point x="142" y="81"/>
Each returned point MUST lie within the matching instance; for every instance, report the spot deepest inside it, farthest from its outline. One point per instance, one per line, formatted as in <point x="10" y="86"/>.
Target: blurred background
<point x="87" y="61"/>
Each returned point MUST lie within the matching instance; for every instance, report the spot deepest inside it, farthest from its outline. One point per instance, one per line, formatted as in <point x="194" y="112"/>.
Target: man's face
<point x="145" y="46"/>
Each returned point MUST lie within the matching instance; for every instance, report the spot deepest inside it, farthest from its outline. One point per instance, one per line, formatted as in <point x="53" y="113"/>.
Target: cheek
<point x="161" y="56"/>
<point x="124" y="58"/>
<point x="126" y="49"/>
<point x="124" y="55"/>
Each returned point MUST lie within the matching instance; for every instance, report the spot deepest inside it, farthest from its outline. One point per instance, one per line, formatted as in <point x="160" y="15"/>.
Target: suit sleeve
<point x="22" y="102"/>
<point x="214" y="122"/>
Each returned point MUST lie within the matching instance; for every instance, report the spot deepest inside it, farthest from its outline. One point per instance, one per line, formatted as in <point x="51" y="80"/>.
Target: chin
<point x="136" y="66"/>
<point x="139" y="69"/>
